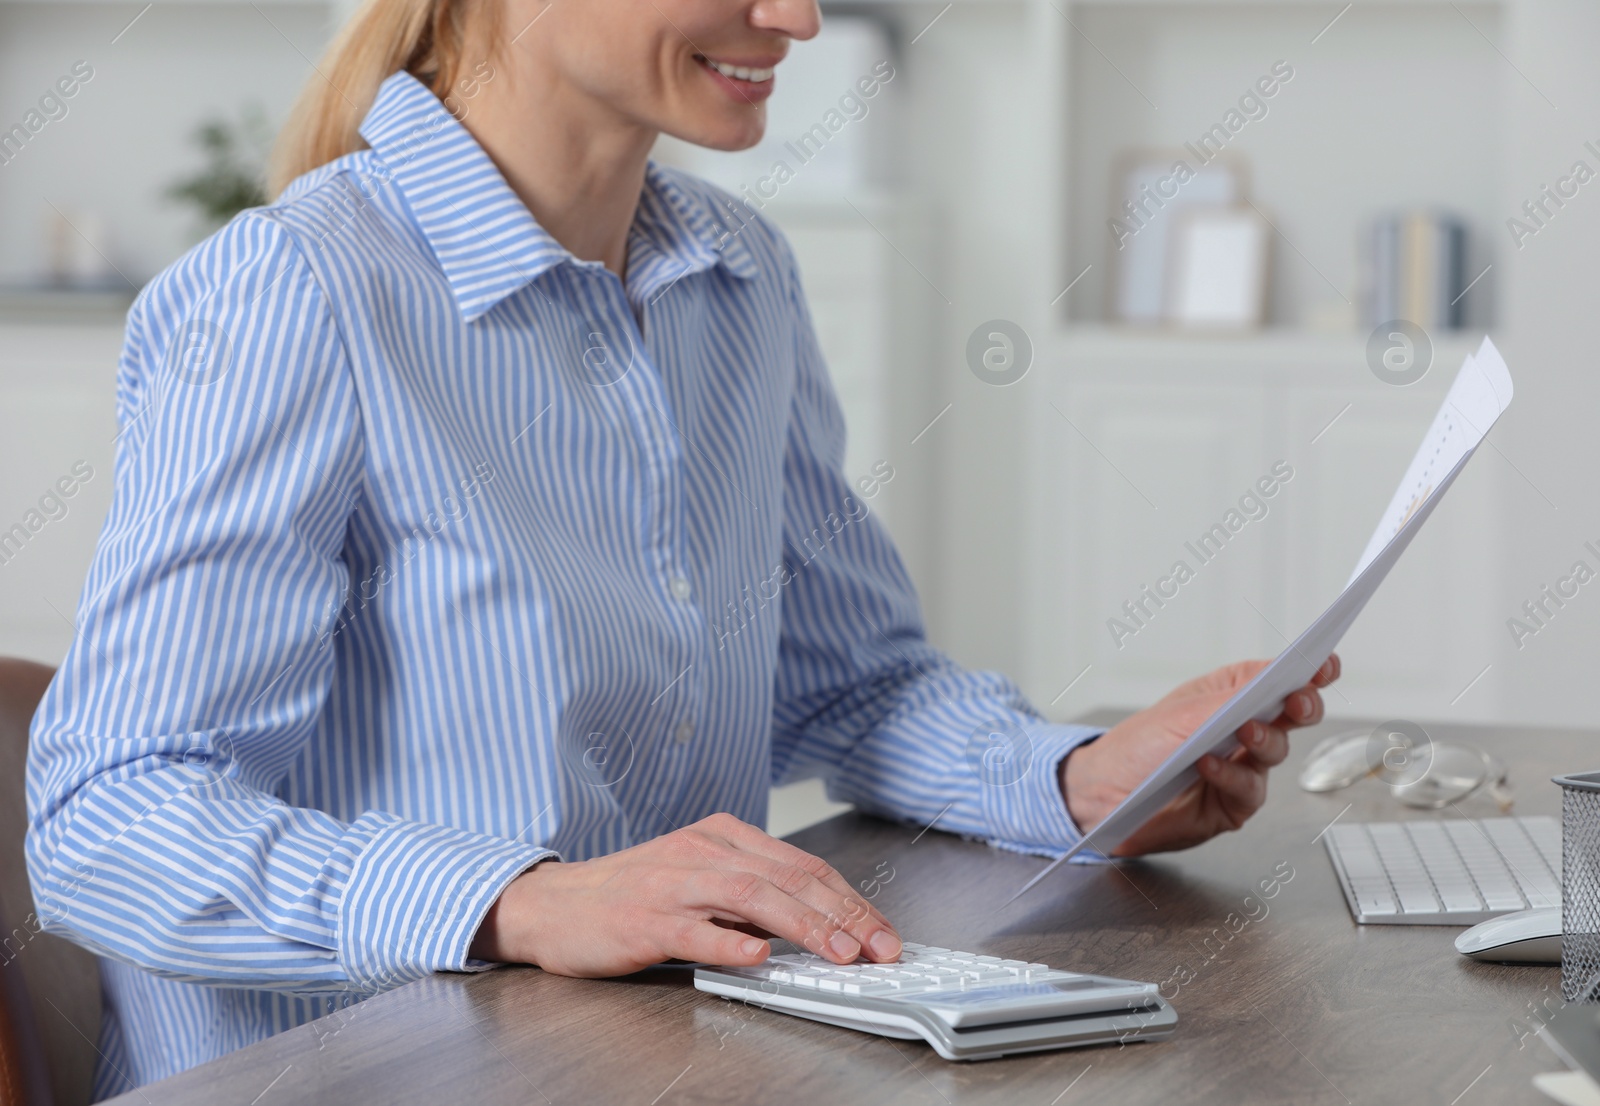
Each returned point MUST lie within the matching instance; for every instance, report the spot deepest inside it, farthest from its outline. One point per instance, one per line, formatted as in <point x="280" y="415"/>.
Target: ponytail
<point x="427" y="38"/>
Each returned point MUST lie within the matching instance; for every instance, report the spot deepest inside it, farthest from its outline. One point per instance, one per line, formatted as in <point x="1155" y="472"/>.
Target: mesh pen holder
<point x="1580" y="886"/>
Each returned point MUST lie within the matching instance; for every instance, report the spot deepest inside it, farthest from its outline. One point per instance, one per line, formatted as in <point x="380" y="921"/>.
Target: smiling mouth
<point x="736" y="72"/>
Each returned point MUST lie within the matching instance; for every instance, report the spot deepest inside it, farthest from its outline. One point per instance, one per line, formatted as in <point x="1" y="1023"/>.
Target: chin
<point x="729" y="137"/>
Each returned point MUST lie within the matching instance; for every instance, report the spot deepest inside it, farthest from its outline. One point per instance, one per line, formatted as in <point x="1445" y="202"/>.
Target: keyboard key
<point x="1376" y="905"/>
<point x="1417" y="898"/>
<point x="1459" y="898"/>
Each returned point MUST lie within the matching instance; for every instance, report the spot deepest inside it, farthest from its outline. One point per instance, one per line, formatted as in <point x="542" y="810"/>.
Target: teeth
<point x="739" y="72"/>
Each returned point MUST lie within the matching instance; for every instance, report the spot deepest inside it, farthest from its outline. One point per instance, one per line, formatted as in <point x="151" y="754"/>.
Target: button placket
<point x="644" y="391"/>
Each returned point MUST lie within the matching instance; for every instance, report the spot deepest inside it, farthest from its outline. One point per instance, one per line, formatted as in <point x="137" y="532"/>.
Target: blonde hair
<point x="427" y="38"/>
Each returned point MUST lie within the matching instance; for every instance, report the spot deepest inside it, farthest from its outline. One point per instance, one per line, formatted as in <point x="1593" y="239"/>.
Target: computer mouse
<point x="1523" y="937"/>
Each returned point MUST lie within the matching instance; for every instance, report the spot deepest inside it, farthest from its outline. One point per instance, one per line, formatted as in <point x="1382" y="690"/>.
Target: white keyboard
<point x="1459" y="871"/>
<point x="968" y="1006"/>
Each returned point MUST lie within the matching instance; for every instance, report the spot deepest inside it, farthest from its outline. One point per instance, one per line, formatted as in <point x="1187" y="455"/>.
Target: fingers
<point x="1328" y="673"/>
<point x="1303" y="707"/>
<point x="846" y="912"/>
<point x="709" y="943"/>
<point x="1269" y="745"/>
<point x="747" y="837"/>
<point x="788" y="892"/>
<point x="813" y="881"/>
<point x="753" y="898"/>
<point x="1241" y="786"/>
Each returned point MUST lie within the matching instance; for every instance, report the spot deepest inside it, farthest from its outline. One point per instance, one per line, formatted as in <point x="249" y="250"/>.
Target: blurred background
<point x="1074" y="357"/>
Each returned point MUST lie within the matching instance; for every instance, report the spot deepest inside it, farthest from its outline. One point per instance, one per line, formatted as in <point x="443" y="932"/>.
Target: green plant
<point x="235" y="167"/>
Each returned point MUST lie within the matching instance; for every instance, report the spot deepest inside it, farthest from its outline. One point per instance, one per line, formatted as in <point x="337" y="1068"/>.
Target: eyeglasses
<point x="1420" y="772"/>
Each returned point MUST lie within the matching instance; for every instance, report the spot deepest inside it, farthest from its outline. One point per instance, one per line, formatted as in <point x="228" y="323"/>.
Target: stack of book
<point x="1417" y="270"/>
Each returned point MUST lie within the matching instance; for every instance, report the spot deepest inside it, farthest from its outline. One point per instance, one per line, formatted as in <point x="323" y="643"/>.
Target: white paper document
<point x="1481" y="392"/>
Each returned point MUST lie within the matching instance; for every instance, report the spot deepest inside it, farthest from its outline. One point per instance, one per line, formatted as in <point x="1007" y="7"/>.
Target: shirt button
<point x="684" y="732"/>
<point x="680" y="587"/>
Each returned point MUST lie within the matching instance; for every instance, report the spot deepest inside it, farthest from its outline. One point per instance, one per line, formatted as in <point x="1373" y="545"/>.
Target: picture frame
<point x="1217" y="279"/>
<point x="1148" y="181"/>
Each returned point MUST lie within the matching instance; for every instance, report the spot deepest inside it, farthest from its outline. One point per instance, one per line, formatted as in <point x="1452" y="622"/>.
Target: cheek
<point x="637" y="59"/>
<point x="624" y="56"/>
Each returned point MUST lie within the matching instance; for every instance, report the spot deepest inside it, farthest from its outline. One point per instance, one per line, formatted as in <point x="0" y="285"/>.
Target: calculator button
<point x="991" y="977"/>
<point x="870" y="987"/>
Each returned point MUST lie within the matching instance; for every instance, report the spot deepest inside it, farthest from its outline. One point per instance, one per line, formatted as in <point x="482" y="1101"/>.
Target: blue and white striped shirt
<point x="436" y="551"/>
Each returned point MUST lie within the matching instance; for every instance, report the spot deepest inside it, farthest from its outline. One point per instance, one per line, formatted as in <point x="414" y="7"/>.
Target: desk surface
<point x="1297" y="1005"/>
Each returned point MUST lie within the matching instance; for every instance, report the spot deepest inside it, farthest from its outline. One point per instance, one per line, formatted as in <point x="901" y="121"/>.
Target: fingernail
<point x="753" y="946"/>
<point x="844" y="946"/>
<point x="885" y="946"/>
<point x="1303" y="704"/>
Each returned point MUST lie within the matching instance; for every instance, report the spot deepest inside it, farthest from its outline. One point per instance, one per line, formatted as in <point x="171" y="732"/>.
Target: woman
<point x="462" y="594"/>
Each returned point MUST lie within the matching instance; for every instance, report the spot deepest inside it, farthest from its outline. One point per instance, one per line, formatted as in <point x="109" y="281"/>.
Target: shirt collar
<point x="485" y="238"/>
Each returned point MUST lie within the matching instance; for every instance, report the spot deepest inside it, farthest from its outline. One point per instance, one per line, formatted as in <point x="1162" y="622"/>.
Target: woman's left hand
<point x="1097" y="776"/>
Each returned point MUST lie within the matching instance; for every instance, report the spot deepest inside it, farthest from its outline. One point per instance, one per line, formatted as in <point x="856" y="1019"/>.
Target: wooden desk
<point x="1298" y="1005"/>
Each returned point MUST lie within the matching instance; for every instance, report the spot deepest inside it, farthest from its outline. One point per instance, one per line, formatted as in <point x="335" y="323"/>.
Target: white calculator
<point x="967" y="1006"/>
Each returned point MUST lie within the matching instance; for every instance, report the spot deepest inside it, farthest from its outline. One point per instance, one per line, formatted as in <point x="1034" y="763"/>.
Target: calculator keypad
<point x="921" y="969"/>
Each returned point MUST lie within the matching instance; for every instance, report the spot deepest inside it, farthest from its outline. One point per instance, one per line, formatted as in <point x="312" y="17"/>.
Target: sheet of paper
<point x="1482" y="390"/>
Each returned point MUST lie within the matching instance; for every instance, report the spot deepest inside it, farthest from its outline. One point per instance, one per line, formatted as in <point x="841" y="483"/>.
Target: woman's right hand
<point x="711" y="892"/>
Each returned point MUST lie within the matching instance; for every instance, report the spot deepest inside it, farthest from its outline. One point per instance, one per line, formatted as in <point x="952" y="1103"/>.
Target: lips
<point x="734" y="71"/>
<point x="746" y="81"/>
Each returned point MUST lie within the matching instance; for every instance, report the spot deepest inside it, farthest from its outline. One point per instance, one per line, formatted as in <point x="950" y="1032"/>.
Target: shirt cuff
<point x="1034" y="818"/>
<point x="416" y="896"/>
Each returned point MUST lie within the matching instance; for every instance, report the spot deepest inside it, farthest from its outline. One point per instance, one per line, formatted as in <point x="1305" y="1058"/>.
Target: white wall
<point x="1550" y="448"/>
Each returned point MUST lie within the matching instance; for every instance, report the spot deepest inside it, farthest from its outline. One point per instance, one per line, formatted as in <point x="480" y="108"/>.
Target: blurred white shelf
<point x="21" y="304"/>
<point x="1346" y="136"/>
<point x="1204" y="356"/>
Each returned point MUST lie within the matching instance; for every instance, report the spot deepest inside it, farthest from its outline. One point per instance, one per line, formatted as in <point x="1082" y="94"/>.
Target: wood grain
<point x="1297" y="1004"/>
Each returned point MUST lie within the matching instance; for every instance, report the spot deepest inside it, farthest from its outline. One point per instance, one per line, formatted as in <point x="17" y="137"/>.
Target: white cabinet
<point x="1137" y="473"/>
<point x="57" y="423"/>
<point x="1168" y="449"/>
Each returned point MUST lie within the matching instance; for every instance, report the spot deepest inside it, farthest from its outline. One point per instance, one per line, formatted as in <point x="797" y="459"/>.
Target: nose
<point x="799" y="19"/>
